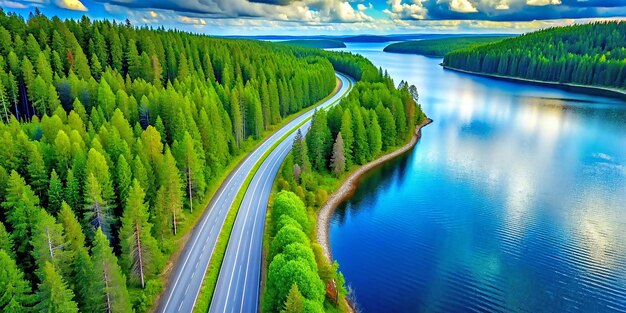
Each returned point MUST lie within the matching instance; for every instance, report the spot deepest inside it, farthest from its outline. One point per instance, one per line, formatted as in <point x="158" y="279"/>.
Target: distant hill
<point x="314" y="43"/>
<point x="439" y="47"/>
<point x="360" y="38"/>
<point x="367" y="38"/>
<point x="588" y="54"/>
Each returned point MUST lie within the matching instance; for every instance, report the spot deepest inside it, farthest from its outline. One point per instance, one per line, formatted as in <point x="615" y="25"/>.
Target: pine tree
<point x="49" y="243"/>
<point x="53" y="294"/>
<point x="99" y="168"/>
<point x="361" y="147"/>
<point x="22" y="210"/>
<point x="141" y="256"/>
<point x="55" y="193"/>
<point x="36" y="168"/>
<point x="374" y="136"/>
<point x="123" y="177"/>
<point x="109" y="281"/>
<point x="85" y="282"/>
<point x="347" y="136"/>
<point x="96" y="208"/>
<point x="295" y="301"/>
<point x="172" y="190"/>
<point x="72" y="193"/>
<point x="15" y="293"/>
<point x="6" y="243"/>
<point x="4" y="100"/>
<point x="237" y="117"/>
<point x="191" y="163"/>
<point x="338" y="160"/>
<point x="96" y="67"/>
<point x="319" y="141"/>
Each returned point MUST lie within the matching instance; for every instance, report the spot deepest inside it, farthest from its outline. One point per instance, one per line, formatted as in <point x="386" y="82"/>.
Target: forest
<point x="588" y="54"/>
<point x="440" y="46"/>
<point x="373" y="119"/>
<point x="113" y="135"/>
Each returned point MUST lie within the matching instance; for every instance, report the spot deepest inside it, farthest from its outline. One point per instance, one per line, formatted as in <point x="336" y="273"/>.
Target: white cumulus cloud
<point x="74" y="5"/>
<point x="462" y="6"/>
<point x="543" y="2"/>
<point x="406" y="11"/>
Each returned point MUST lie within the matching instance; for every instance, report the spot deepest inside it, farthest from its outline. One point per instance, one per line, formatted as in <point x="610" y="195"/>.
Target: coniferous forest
<point x="588" y="54"/>
<point x="373" y="119"/>
<point x="439" y="47"/>
<point x="112" y="135"/>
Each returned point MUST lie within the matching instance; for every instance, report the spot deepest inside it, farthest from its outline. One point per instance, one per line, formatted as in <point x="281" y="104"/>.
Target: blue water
<point x="514" y="200"/>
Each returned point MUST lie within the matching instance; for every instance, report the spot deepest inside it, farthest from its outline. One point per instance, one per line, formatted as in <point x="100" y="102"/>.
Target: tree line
<point x="111" y="136"/>
<point x="589" y="54"/>
<point x="440" y="46"/>
<point x="373" y="119"/>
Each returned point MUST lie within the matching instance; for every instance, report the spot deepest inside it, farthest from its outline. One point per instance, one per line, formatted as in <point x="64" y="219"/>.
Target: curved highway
<point x="238" y="284"/>
<point x="244" y="246"/>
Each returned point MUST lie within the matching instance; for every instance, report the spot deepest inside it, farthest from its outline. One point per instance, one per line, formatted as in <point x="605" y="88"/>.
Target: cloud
<point x="274" y="2"/>
<point x="462" y="6"/>
<point x="308" y="11"/>
<point x="74" y="5"/>
<point x="405" y="11"/>
<point x="359" y="16"/>
<point x="502" y="5"/>
<point x="543" y="2"/>
<point x="12" y="5"/>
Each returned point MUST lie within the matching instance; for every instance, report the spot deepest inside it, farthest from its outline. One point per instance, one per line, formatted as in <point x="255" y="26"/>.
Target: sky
<point x="333" y="17"/>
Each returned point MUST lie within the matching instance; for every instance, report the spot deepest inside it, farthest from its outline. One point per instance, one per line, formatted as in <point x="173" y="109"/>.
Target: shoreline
<point x="585" y="89"/>
<point x="432" y="56"/>
<point x="349" y="185"/>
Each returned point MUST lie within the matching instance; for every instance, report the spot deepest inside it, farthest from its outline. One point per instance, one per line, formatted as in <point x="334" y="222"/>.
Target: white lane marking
<point x="193" y="245"/>
<point x="248" y="207"/>
<point x="277" y="158"/>
<point x="241" y="237"/>
<point x="346" y="88"/>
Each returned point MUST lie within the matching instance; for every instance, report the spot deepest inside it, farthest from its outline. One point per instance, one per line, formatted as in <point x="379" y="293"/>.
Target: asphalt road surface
<point x="246" y="238"/>
<point x="238" y="284"/>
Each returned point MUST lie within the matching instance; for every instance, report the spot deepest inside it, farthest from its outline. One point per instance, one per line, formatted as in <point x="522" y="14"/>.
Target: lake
<point x="514" y="200"/>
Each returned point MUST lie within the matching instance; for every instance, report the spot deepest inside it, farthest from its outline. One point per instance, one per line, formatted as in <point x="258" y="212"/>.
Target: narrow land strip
<point x="349" y="185"/>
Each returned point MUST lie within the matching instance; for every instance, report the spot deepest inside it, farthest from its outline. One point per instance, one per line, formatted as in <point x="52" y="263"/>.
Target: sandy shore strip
<point x="349" y="185"/>
<point x="586" y="89"/>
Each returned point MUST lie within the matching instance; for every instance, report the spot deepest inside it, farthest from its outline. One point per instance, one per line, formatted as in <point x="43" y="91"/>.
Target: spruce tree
<point x="108" y="280"/>
<point x="53" y="294"/>
<point x="55" y="193"/>
<point x="338" y="160"/>
<point x="191" y="163"/>
<point x="15" y="292"/>
<point x="141" y="257"/>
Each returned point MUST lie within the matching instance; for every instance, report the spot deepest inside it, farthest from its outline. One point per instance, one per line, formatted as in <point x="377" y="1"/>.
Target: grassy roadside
<point x="191" y="218"/>
<point x="210" y="279"/>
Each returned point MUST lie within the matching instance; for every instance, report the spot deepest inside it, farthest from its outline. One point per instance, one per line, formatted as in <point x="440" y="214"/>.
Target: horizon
<point x="302" y="18"/>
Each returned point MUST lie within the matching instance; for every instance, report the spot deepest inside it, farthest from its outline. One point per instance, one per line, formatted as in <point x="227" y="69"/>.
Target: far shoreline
<point x="584" y="89"/>
<point x="347" y="188"/>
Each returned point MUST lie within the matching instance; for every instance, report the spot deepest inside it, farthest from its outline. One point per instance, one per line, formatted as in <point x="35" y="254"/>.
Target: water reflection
<point x="514" y="201"/>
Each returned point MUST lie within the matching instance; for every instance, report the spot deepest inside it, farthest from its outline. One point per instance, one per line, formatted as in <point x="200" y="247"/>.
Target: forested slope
<point x="440" y="46"/>
<point x="111" y="136"/>
<point x="589" y="54"/>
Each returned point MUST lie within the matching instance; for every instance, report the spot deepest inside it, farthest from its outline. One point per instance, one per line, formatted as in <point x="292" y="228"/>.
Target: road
<point x="186" y="279"/>
<point x="238" y="284"/>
